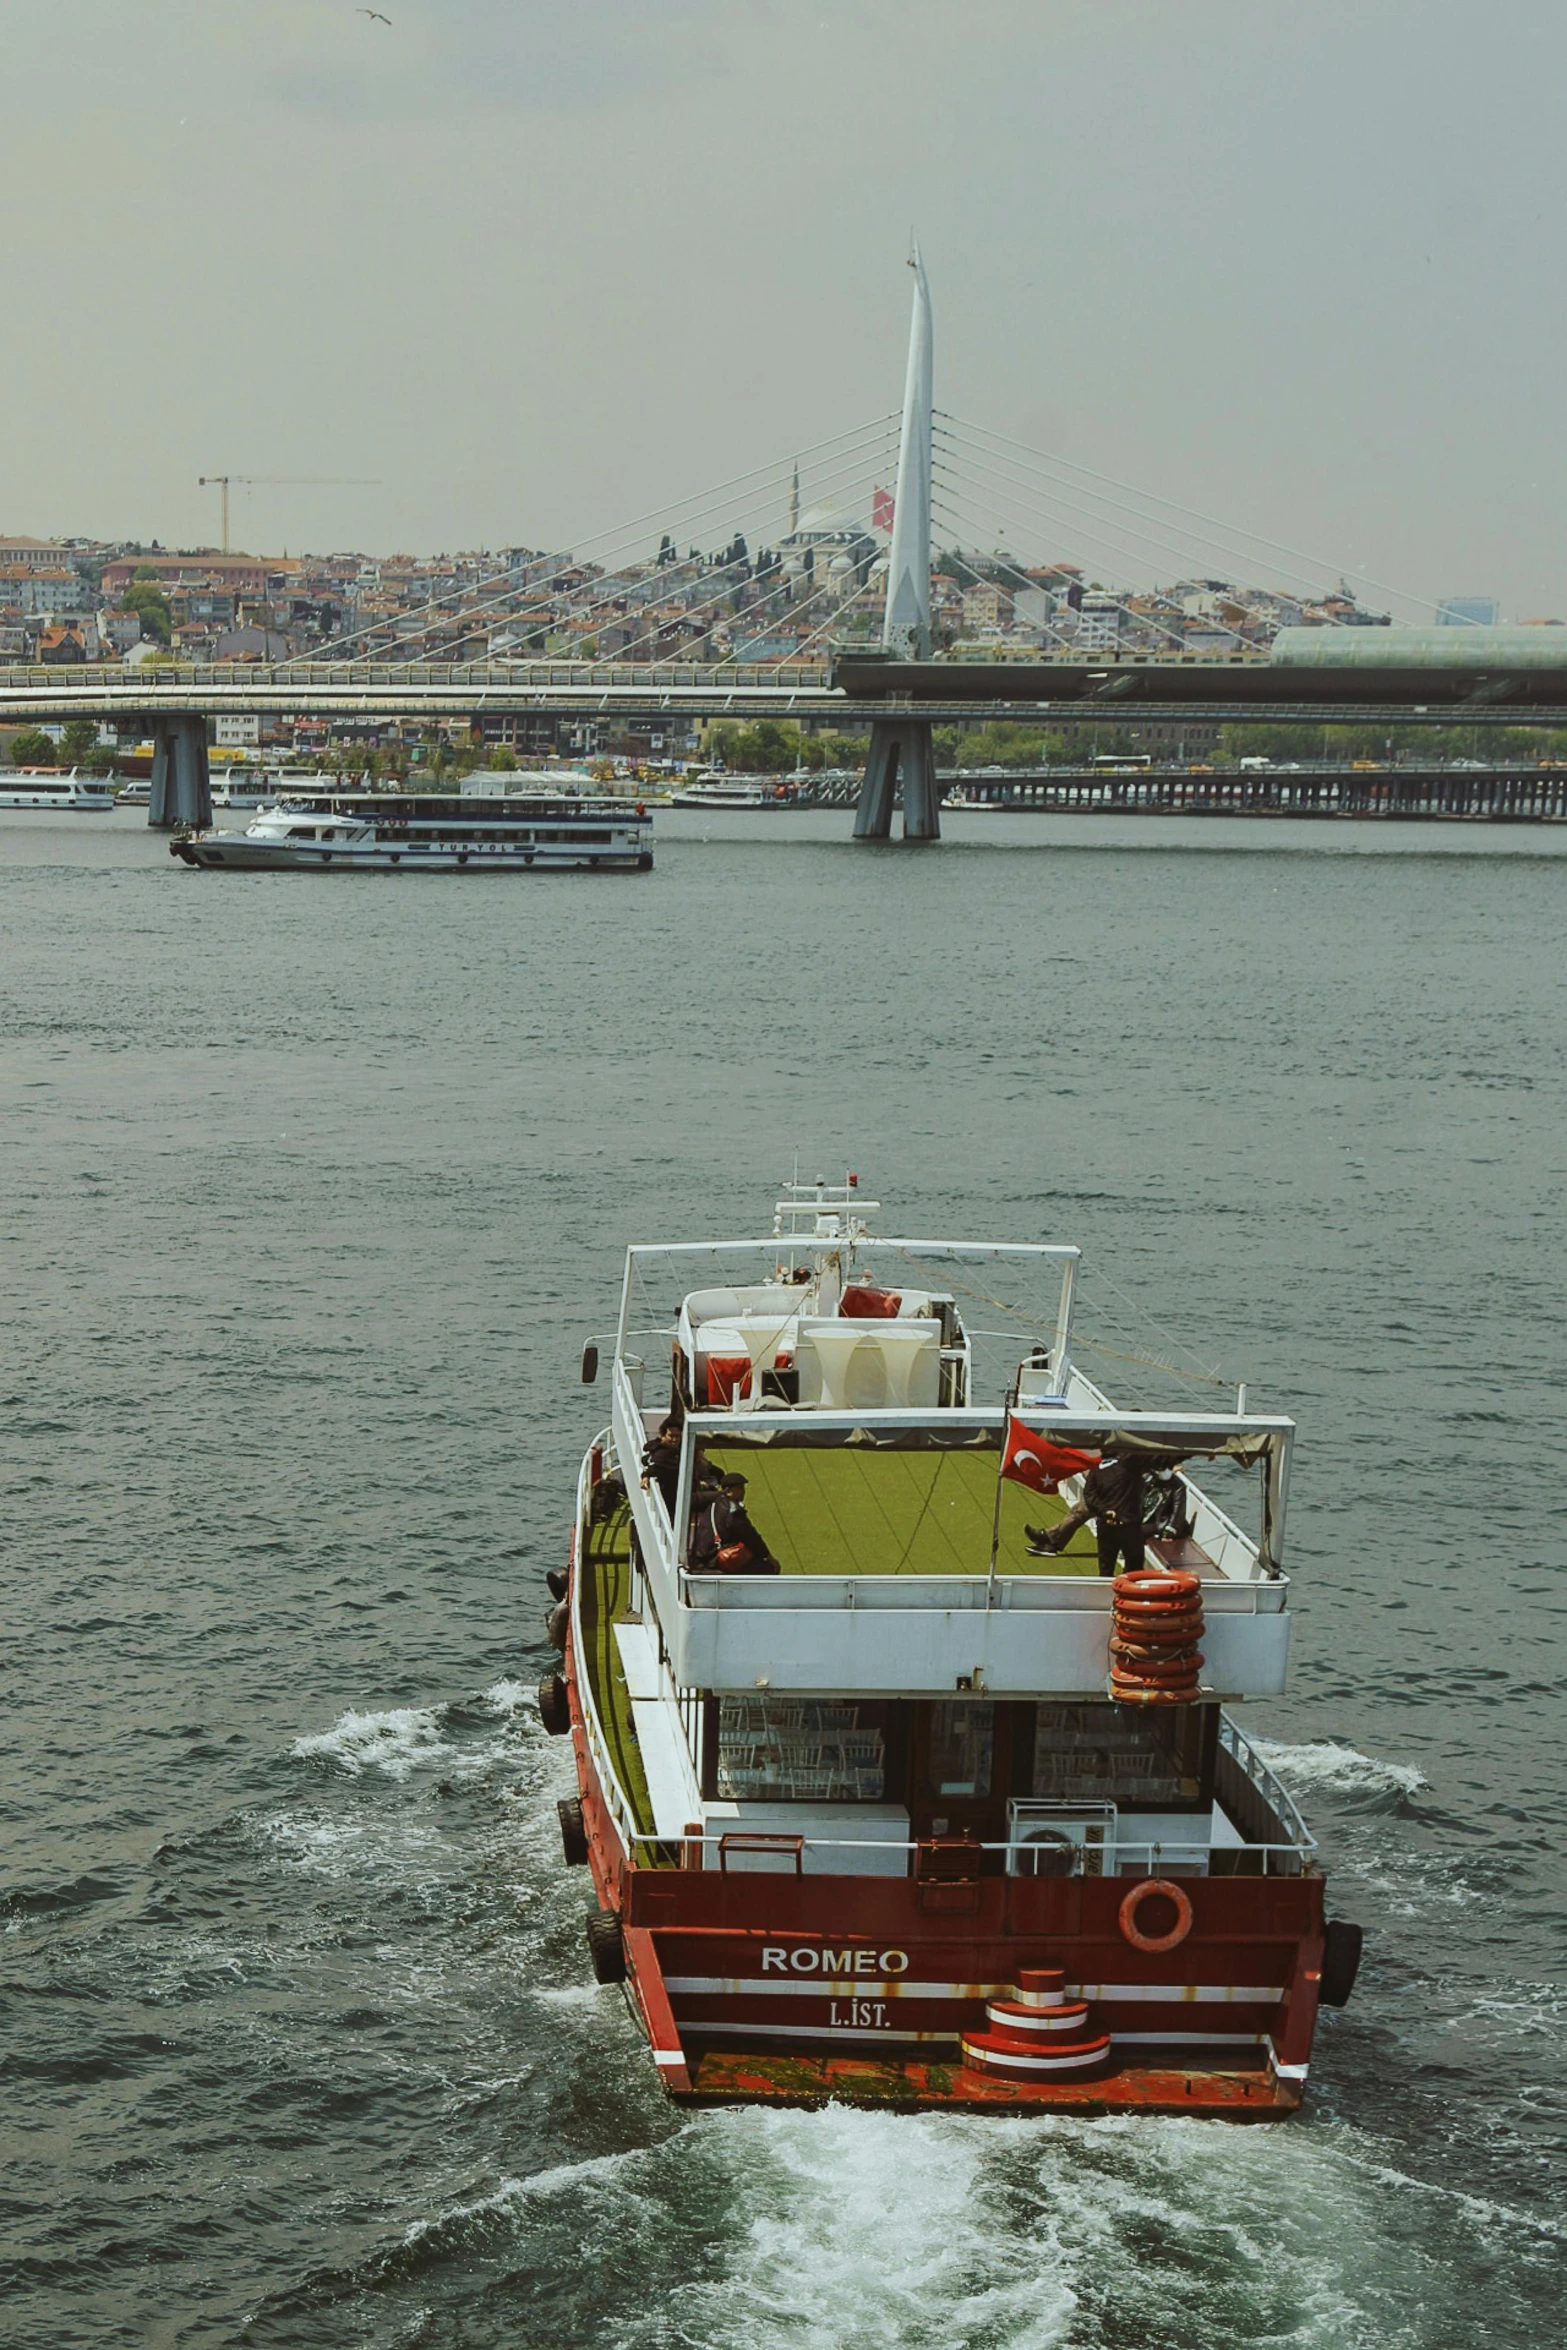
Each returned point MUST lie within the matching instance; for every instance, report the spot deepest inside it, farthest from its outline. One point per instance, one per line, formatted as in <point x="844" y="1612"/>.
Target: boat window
<point x="1107" y="1753"/>
<point x="802" y="1750"/>
<point x="962" y="1748"/>
<point x="301" y="832"/>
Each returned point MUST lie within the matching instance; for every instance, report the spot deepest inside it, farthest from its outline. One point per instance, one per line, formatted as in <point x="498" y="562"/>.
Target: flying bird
<point x="374" y="14"/>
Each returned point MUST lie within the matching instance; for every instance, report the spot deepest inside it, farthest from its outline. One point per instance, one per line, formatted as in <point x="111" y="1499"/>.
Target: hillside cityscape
<point x="91" y="602"/>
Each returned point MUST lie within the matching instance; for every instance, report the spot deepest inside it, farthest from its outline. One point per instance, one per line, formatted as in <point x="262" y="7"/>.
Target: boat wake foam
<point x="504" y="1697"/>
<point x="878" y="2229"/>
<point x="399" y="1740"/>
<point x="883" y="2230"/>
<point x="897" y="2231"/>
<point x="1342" y="1770"/>
<point x="395" y="1742"/>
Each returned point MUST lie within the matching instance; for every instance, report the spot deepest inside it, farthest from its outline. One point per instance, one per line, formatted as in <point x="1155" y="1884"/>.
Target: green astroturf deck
<point x="854" y="1511"/>
<point x="602" y="1602"/>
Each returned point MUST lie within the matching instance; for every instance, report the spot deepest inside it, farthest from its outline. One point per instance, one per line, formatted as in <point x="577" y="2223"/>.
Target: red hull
<point x="800" y="1989"/>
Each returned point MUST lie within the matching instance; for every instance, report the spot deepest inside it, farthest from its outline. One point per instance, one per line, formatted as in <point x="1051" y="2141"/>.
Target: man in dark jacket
<point x="661" y="1467"/>
<point x="661" y="1464"/>
<point x="727" y="1525"/>
<point x="1113" y="1498"/>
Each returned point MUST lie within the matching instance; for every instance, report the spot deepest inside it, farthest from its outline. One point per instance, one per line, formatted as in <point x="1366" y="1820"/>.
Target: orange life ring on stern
<point x="1126" y="1916"/>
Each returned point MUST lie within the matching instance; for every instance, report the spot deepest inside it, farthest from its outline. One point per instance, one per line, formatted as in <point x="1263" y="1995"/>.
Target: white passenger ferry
<point x="889" y="1789"/>
<point x="52" y="787"/>
<point x="262" y="787"/>
<point x="382" y="832"/>
<point x="734" y="791"/>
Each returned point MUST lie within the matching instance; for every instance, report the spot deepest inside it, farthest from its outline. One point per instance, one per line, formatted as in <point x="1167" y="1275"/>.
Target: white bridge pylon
<point x="901" y="748"/>
<point x="906" y="629"/>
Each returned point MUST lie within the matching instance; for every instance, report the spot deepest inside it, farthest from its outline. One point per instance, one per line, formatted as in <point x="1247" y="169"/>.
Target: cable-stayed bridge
<point x="825" y="625"/>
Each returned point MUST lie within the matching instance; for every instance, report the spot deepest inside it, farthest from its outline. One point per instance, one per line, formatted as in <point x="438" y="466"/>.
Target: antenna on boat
<point x="1014" y="1390"/>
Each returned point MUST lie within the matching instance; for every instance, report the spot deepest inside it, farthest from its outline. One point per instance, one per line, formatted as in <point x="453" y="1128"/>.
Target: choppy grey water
<point x="310" y="1191"/>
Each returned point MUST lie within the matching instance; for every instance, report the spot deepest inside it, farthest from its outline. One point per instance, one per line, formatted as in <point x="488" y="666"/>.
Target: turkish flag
<point x="883" y="507"/>
<point x="1031" y="1459"/>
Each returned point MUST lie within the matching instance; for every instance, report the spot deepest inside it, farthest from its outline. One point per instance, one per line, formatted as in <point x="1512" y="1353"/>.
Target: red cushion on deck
<point x="727" y="1377"/>
<point x="861" y="1303"/>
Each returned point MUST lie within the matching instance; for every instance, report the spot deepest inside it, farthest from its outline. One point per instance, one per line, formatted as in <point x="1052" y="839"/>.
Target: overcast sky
<point x="542" y="268"/>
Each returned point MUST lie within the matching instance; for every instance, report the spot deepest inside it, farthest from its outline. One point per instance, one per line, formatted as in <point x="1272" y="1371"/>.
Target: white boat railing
<point x="615" y="1797"/>
<point x="1125" y="1857"/>
<point x="1066" y="1594"/>
<point x="1268" y="1784"/>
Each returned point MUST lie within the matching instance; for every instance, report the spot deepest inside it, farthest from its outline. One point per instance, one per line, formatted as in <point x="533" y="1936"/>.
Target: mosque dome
<point x="826" y="525"/>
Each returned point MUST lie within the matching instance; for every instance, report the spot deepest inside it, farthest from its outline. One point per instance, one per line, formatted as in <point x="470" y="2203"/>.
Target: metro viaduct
<point x="899" y="700"/>
<point x="1522" y="793"/>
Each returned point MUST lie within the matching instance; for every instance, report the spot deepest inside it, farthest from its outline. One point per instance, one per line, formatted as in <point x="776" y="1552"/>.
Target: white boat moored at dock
<point x="262" y="787"/>
<point x="50" y="787"/>
<point x="734" y="791"/>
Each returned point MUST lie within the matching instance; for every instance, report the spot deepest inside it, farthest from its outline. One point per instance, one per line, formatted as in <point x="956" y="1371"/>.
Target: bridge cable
<point x="1318" y="563"/>
<point x="871" y="437"/>
<point x="998" y="559"/>
<point x="1041" y="503"/>
<point x="721" y="594"/>
<point x="968" y="521"/>
<point x="1183" y="552"/>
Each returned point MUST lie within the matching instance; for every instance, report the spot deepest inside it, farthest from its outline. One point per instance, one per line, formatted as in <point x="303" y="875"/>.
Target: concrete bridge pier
<point x="181" y="782"/>
<point x="901" y="750"/>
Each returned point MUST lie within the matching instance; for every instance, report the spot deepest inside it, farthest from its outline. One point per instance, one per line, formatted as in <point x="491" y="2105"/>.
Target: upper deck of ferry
<point x="847" y="1385"/>
<point x="909" y="1666"/>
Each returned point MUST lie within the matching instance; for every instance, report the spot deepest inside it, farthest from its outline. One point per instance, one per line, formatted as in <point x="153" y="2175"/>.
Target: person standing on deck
<point x="661" y="1467"/>
<point x="1113" y="1498"/>
<point x="661" y="1464"/>
<point x="725" y="1542"/>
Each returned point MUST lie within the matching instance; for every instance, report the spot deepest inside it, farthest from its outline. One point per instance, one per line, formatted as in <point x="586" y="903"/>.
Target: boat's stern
<point x="1149" y="1995"/>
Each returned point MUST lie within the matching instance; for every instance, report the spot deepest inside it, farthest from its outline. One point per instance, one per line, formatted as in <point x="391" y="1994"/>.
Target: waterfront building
<point x="1467" y="612"/>
<point x="1099" y="622"/>
<point x="19" y="553"/>
<point x="985" y="606"/>
<point x="38" y="587"/>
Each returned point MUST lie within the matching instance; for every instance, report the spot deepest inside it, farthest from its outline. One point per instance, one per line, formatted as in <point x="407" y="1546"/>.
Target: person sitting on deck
<point x="724" y="1541"/>
<point x="1113" y="1498"/>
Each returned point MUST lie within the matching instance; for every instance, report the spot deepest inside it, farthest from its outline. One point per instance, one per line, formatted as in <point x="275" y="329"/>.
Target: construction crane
<point x="279" y="480"/>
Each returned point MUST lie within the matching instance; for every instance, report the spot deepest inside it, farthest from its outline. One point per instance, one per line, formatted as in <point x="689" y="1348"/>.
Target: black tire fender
<point x="573" y="1830"/>
<point x="606" y="1947"/>
<point x="1341" y="1947"/>
<point x="556" y="1624"/>
<point x="554" y="1705"/>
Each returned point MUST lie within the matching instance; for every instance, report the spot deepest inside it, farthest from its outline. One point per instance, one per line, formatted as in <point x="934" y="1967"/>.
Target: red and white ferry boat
<point x="927" y="1816"/>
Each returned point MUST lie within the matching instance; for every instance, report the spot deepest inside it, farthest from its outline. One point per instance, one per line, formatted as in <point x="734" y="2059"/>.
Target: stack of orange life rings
<point x="1156" y="1625"/>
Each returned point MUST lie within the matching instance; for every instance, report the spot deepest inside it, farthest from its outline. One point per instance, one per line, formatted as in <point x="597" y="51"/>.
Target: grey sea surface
<point x="311" y="1189"/>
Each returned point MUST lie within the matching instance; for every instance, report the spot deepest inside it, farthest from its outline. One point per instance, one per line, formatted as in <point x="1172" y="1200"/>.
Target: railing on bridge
<point x="568" y="676"/>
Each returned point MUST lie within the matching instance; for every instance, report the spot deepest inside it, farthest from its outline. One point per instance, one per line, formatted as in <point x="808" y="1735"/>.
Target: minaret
<point x="794" y="500"/>
<point x="906" y="628"/>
